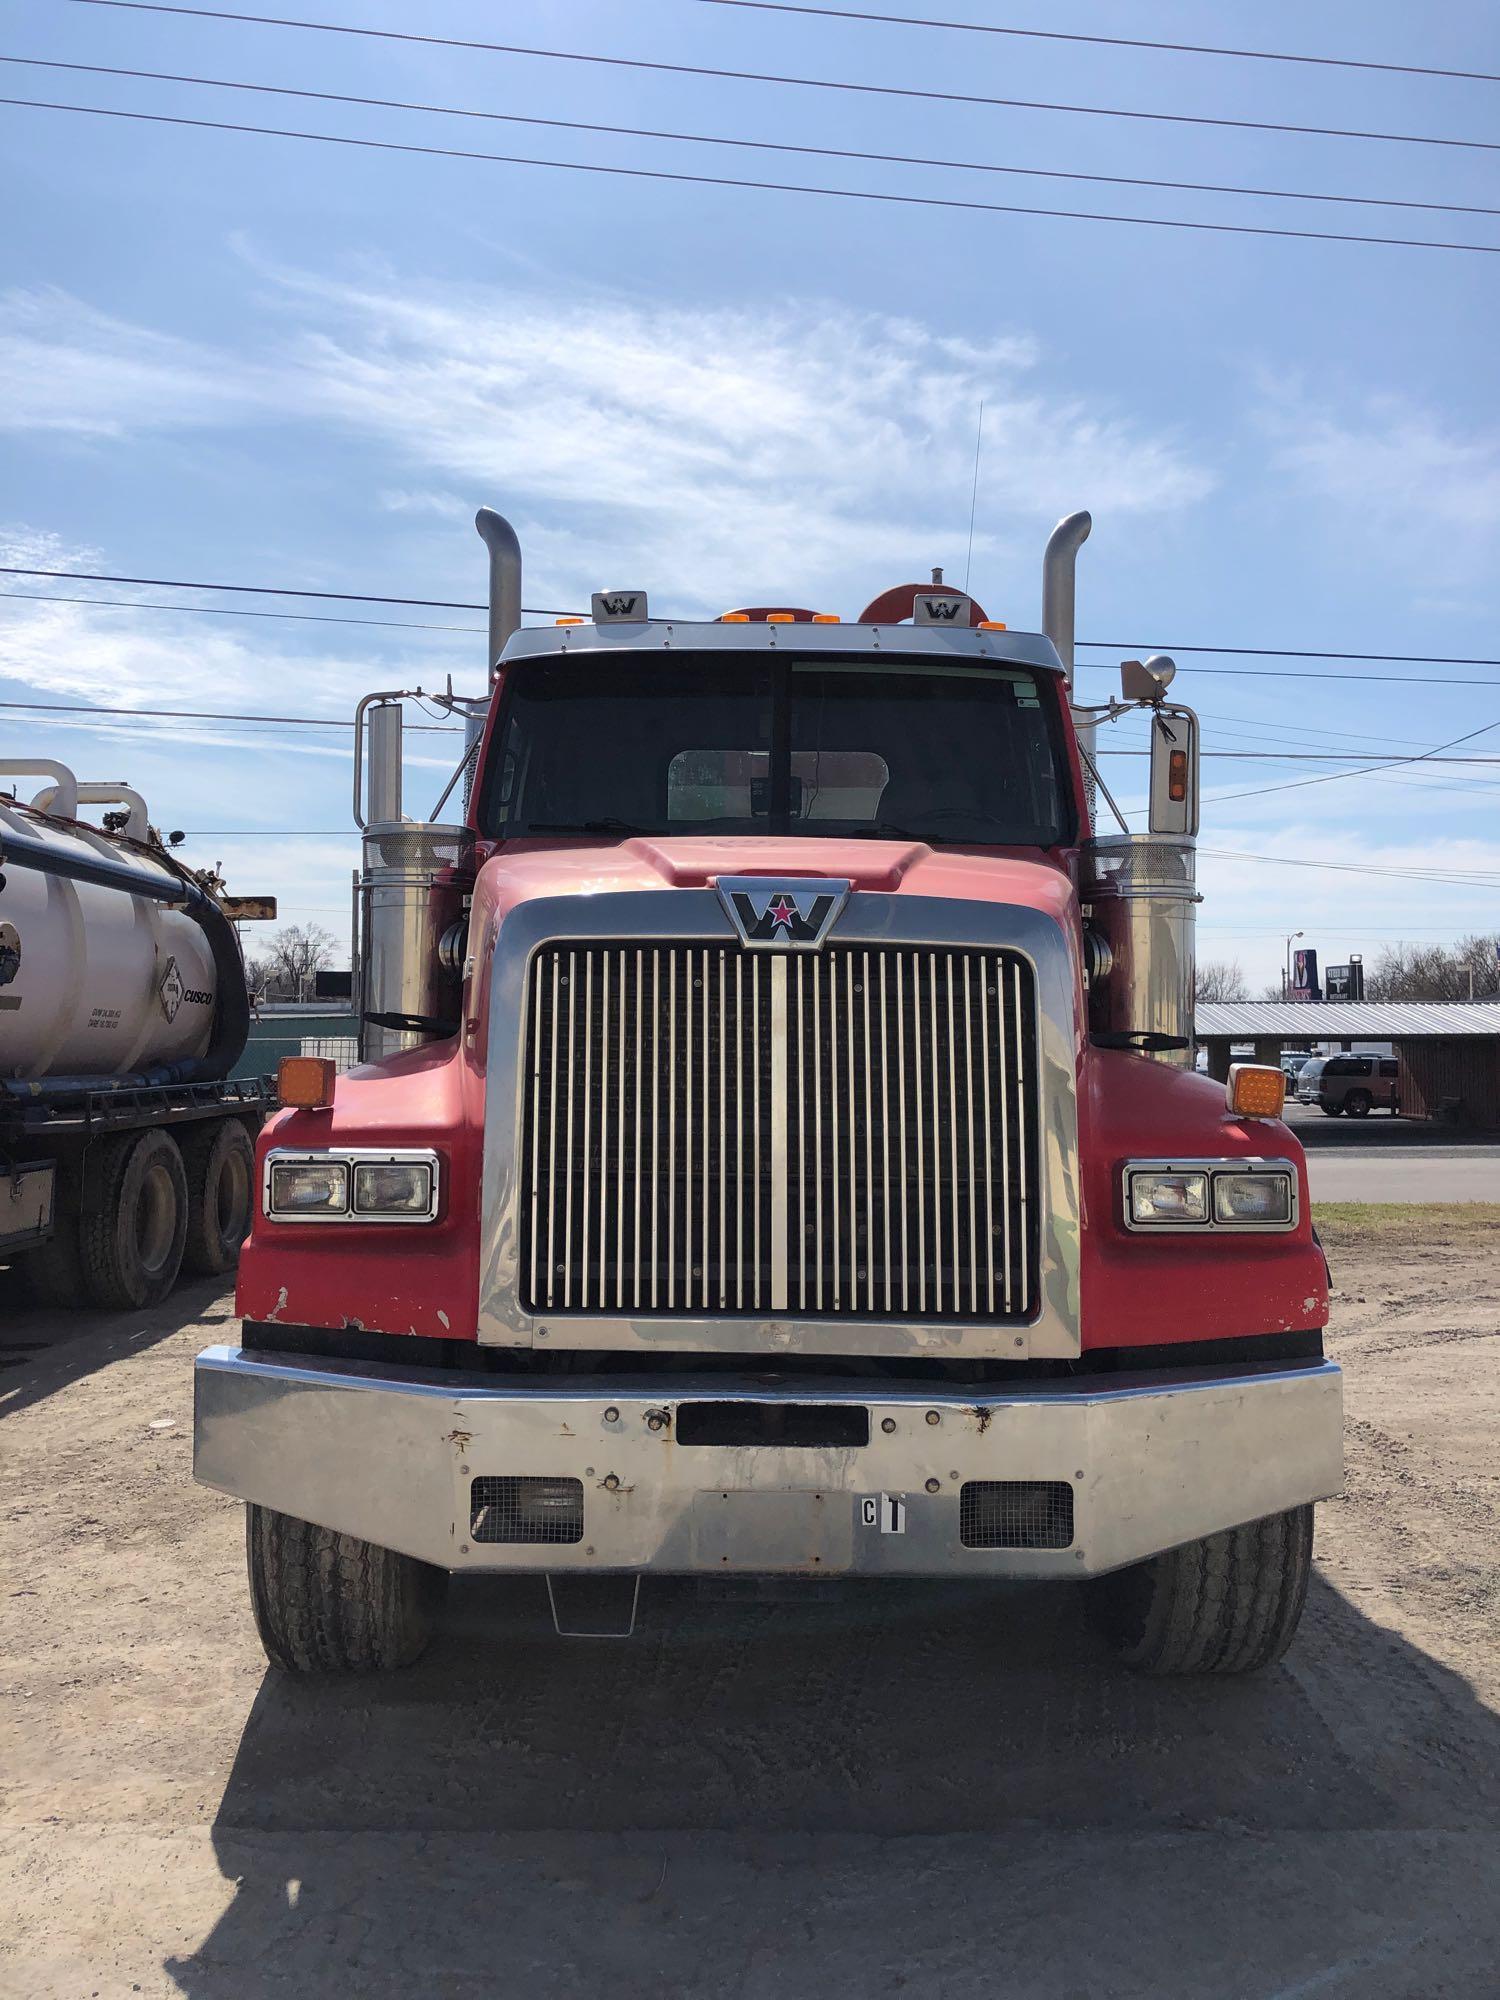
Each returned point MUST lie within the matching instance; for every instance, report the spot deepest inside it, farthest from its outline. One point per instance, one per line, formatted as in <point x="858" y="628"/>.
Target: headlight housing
<point x="359" y="1184"/>
<point x="1168" y="1197"/>
<point x="298" y="1188"/>
<point x="393" y="1187"/>
<point x="1264" y="1197"/>
<point x="1209" y="1196"/>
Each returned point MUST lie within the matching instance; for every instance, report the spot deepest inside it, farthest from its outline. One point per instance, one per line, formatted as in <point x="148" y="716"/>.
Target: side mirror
<point x="1174" y="771"/>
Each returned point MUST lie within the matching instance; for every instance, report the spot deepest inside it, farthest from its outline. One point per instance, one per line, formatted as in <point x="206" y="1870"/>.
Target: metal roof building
<point x="1449" y="1049"/>
<point x="1342" y="1021"/>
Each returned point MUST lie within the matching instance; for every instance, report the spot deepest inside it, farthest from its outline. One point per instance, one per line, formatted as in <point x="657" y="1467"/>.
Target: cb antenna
<point x="974" y="496"/>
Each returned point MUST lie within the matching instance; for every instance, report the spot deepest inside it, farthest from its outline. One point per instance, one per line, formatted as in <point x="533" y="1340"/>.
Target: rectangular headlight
<point x="1165" y="1197"/>
<point x="307" y="1187"/>
<point x="1253" y="1198"/>
<point x="393" y="1188"/>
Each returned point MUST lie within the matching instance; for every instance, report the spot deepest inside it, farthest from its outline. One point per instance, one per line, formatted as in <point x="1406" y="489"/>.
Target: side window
<point x="1388" y="1066"/>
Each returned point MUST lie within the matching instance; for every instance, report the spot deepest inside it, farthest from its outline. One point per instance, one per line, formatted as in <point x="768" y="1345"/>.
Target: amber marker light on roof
<point x="825" y="618"/>
<point x="1255" y="1090"/>
<point x="992" y="624"/>
<point x="570" y="621"/>
<point x="306" y="1082"/>
<point x="735" y="618"/>
<point x="780" y="618"/>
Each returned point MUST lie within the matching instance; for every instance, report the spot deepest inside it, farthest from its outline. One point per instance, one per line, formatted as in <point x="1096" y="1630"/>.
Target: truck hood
<point x="526" y="869"/>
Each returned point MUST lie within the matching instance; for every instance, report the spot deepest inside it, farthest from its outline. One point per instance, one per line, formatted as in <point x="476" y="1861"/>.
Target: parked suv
<point x="1356" y="1084"/>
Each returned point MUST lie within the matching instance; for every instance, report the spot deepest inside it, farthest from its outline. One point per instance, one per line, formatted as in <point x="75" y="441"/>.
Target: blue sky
<point x="250" y="359"/>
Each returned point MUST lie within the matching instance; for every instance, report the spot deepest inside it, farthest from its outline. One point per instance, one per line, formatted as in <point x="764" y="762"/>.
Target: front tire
<point x="1229" y="1604"/>
<point x="1357" y="1103"/>
<point x="1331" y="1110"/>
<point x="327" y="1603"/>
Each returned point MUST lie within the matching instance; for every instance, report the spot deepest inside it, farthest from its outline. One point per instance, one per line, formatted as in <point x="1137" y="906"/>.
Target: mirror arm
<point x="1093" y="770"/>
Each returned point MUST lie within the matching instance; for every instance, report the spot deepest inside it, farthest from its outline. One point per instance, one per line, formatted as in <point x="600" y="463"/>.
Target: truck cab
<point x="779" y="1155"/>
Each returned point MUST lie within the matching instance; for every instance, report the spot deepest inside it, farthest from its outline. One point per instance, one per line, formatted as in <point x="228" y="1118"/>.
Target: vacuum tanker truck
<point x="125" y="1149"/>
<point x="779" y="1154"/>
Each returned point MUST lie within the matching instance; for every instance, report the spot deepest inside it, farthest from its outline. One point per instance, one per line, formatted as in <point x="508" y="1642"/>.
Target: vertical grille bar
<point x="779" y="1162"/>
<point x="535" y="1066"/>
<point x="885" y="1163"/>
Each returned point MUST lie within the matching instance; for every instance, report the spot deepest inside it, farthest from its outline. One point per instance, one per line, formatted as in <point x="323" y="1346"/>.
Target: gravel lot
<point x="942" y="1791"/>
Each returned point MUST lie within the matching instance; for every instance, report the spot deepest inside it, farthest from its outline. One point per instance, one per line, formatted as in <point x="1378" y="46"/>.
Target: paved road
<point x="1392" y="1159"/>
<point x="1448" y="1173"/>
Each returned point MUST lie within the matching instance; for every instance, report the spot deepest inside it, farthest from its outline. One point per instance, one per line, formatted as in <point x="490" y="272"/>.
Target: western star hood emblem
<point x="782" y="916"/>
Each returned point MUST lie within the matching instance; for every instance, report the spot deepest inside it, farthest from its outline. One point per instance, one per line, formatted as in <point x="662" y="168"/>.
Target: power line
<point x="928" y="201"/>
<point x="1306" y="757"/>
<point x="1105" y="41"/>
<point x="216" y="715"/>
<point x="1298" y="784"/>
<point x="221" y="611"/>
<point x="1466" y="878"/>
<point x="748" y="145"/>
<point x="1283" y="653"/>
<point x="279" y="590"/>
<point x="801" y="82"/>
<point x="1116" y="646"/>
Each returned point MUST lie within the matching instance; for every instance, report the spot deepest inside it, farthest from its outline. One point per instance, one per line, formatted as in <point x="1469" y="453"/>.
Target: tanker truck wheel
<point x="1228" y="1604"/>
<point x="220" y="1163"/>
<point x="327" y="1603"/>
<point x="130" y="1242"/>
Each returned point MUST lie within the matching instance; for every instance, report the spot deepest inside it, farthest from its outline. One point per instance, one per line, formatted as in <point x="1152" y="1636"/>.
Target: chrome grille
<point x="711" y="1130"/>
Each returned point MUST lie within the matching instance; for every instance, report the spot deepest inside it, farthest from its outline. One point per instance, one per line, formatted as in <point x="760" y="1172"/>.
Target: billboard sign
<point x="1345" y="982"/>
<point x="1305" y="976"/>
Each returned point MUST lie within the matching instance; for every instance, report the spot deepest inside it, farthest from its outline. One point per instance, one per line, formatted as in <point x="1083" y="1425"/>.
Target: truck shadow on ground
<point x="46" y="1348"/>
<point x="738" y="1782"/>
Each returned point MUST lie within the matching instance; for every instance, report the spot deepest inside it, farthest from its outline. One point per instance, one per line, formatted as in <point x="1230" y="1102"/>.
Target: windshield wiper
<point x="882" y="829"/>
<point x="582" y="826"/>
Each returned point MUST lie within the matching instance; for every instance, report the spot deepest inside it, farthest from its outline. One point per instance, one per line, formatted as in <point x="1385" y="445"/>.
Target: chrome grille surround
<point x="1043" y="1314"/>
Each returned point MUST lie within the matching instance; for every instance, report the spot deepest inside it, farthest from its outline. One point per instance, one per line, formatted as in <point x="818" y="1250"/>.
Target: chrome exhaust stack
<point x="414" y="886"/>
<point x="500" y="538"/>
<point x="1059" y="565"/>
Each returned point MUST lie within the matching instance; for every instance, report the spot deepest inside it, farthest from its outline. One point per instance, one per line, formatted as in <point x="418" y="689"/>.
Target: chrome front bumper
<point x="390" y="1456"/>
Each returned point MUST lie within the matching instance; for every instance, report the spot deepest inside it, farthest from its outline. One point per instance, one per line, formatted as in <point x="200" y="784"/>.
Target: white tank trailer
<point x="126" y="1152"/>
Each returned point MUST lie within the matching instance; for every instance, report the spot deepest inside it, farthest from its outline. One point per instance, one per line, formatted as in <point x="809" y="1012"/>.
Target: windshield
<point x="723" y="744"/>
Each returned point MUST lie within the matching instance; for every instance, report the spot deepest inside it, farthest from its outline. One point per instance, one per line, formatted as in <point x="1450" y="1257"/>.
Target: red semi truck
<point x="779" y="1155"/>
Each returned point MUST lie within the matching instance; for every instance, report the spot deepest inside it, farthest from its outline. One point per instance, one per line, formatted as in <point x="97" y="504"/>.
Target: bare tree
<point x="285" y="968"/>
<point x="1220" y="979"/>
<point x="1436" y="971"/>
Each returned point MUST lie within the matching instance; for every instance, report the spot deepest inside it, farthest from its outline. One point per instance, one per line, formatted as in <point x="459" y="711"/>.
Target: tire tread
<point x="329" y="1603"/>
<point x="1228" y="1604"/>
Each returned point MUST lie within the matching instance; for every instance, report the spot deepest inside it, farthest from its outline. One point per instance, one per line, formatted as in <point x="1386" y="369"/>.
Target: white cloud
<point x="1408" y="488"/>
<point x="725" y="450"/>
<point x="718" y="453"/>
<point x="69" y="368"/>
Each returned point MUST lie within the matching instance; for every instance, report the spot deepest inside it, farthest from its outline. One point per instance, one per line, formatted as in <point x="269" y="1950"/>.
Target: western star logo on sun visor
<point x="781" y="915"/>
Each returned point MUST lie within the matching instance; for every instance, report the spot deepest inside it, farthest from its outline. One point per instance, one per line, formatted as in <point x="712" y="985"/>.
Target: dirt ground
<point x="938" y="1791"/>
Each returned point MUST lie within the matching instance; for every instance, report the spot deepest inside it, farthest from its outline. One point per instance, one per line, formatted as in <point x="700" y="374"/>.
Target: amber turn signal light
<point x="306" y="1082"/>
<point x="1255" y="1090"/>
